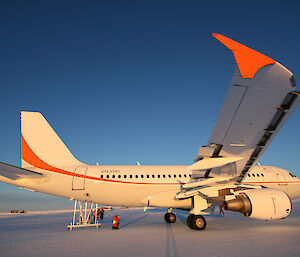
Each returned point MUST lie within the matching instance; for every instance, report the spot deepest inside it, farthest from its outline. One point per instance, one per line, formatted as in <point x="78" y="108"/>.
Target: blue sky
<point x="122" y="81"/>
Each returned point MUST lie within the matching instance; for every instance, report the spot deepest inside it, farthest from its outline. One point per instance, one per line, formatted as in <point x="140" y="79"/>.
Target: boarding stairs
<point x="83" y="215"/>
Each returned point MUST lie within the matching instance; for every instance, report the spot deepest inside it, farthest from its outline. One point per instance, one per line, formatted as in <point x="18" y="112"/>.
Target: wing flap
<point x="210" y="163"/>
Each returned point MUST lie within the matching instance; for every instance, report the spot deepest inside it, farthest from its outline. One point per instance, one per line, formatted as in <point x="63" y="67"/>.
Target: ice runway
<point x="147" y="234"/>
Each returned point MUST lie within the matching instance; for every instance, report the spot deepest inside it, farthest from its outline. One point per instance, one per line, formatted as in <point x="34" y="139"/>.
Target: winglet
<point x="248" y="60"/>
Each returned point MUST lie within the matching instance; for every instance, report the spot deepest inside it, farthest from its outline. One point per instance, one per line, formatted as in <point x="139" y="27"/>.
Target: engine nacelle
<point x="263" y="204"/>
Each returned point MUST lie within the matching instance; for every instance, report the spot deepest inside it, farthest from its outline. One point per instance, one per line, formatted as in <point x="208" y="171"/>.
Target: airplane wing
<point x="260" y="99"/>
<point x="14" y="173"/>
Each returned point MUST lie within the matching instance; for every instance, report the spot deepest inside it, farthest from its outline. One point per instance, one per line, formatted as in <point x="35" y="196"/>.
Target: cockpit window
<point x="292" y="174"/>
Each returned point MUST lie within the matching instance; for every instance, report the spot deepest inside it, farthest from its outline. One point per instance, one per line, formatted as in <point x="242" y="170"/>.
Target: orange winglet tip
<point x="248" y="60"/>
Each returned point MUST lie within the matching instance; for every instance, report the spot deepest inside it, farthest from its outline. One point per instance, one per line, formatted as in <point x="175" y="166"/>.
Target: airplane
<point x="224" y="173"/>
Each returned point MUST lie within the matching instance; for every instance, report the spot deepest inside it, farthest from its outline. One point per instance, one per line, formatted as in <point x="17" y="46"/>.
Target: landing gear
<point x="196" y="222"/>
<point x="170" y="217"/>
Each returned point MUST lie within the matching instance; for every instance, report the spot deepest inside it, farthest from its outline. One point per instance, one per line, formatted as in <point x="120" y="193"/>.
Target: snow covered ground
<point x="146" y="234"/>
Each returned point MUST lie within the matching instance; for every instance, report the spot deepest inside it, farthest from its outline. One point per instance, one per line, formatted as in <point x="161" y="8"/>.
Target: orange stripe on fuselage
<point x="30" y="157"/>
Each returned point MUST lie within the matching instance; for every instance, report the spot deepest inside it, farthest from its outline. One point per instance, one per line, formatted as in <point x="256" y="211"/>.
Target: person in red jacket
<point x="95" y="213"/>
<point x="115" y="224"/>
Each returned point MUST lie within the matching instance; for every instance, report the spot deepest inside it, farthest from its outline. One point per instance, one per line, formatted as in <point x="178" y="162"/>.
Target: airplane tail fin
<point x="40" y="145"/>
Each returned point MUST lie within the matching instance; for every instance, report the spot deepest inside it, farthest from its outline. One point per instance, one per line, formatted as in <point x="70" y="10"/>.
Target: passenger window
<point x="249" y="175"/>
<point x="164" y="176"/>
<point x="119" y="176"/>
<point x="125" y="176"/>
<point x="101" y="176"/>
<point x="179" y="175"/>
<point x="142" y="176"/>
<point x="130" y="176"/>
<point x="153" y="176"/>
<point x="107" y="176"/>
<point x="257" y="175"/>
<point x="158" y="176"/>
<point x="113" y="176"/>
<point x="253" y="175"/>
<point x="190" y="175"/>
<point x="185" y="175"/>
<point x="136" y="176"/>
<point x="174" y="176"/>
<point x="262" y="175"/>
<point x="169" y="175"/>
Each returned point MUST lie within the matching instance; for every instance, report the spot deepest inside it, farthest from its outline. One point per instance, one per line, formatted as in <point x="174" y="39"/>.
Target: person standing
<point x="95" y="215"/>
<point x="98" y="215"/>
<point x="115" y="224"/>
<point x="101" y="213"/>
<point x="221" y="210"/>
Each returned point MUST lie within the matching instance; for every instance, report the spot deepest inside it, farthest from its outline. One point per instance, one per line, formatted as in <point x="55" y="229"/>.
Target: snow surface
<point x="146" y="234"/>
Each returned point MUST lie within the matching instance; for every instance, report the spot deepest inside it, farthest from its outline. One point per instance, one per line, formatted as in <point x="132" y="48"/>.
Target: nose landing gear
<point x="170" y="217"/>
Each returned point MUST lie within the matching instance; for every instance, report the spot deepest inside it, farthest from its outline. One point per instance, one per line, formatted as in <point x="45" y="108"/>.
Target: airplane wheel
<point x="196" y="222"/>
<point x="170" y="217"/>
<point x="189" y="220"/>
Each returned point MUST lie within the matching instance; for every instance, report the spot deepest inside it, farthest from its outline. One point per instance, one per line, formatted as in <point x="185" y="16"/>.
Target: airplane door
<point x="280" y="177"/>
<point x="78" y="182"/>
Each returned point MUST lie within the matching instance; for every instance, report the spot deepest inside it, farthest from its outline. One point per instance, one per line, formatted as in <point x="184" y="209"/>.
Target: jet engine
<point x="264" y="204"/>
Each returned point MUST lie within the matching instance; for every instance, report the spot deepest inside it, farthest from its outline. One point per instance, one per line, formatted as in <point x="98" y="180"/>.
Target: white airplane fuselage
<point x="140" y="186"/>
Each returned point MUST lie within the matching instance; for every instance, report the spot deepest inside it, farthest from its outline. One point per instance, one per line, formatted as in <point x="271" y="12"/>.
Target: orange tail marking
<point x="248" y="60"/>
<point x="30" y="157"/>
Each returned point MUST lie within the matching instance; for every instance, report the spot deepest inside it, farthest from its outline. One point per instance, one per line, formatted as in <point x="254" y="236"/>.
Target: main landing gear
<point x="196" y="222"/>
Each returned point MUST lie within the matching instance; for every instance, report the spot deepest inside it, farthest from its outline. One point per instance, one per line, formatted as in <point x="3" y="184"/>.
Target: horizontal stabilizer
<point x="214" y="162"/>
<point x="14" y="173"/>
